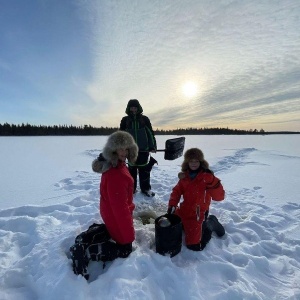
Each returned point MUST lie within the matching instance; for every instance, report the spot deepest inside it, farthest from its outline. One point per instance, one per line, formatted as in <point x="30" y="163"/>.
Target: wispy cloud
<point x="241" y="99"/>
<point x="245" y="55"/>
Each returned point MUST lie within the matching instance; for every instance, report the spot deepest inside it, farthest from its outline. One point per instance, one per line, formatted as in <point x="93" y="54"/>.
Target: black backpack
<point x="91" y="239"/>
<point x="97" y="233"/>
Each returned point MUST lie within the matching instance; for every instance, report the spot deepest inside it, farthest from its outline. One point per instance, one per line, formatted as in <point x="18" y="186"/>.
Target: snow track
<point x="258" y="258"/>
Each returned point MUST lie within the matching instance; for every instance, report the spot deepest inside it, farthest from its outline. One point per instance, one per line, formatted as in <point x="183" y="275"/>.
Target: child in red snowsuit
<point x="116" y="190"/>
<point x="198" y="186"/>
<point x="116" y="205"/>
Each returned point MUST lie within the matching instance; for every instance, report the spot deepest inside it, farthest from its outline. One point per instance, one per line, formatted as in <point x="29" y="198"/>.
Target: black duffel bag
<point x="95" y="238"/>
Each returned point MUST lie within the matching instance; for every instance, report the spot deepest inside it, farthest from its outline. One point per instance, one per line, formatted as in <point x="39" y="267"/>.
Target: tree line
<point x="42" y="130"/>
<point x="34" y="130"/>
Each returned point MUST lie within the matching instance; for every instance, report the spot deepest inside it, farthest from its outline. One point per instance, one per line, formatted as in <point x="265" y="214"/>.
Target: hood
<point x="134" y="103"/>
<point x="109" y="158"/>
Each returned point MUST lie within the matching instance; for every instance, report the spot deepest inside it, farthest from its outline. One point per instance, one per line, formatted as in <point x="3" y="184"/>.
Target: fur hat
<point x="109" y="157"/>
<point x="193" y="153"/>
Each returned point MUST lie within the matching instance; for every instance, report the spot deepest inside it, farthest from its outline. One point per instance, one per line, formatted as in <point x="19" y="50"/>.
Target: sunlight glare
<point x="189" y="89"/>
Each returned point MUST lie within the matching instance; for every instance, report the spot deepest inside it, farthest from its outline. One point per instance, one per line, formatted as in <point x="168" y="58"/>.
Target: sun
<point x="189" y="89"/>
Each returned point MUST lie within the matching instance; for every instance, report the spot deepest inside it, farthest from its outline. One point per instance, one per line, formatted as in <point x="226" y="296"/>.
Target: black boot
<point x="214" y="225"/>
<point x="124" y="250"/>
<point x="206" y="235"/>
<point x="148" y="193"/>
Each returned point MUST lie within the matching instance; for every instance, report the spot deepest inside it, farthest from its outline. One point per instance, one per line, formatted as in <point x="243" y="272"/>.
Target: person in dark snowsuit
<point x="198" y="186"/>
<point x="139" y="126"/>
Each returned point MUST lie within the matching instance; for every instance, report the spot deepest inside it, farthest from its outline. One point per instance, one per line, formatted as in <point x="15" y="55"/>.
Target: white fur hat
<point x="117" y="140"/>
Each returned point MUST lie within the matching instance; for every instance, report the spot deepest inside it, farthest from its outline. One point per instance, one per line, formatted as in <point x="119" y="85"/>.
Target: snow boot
<point x="148" y="193"/>
<point x="206" y="235"/>
<point x="214" y="225"/>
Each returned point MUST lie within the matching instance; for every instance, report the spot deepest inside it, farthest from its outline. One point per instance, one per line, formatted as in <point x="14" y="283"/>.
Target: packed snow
<point x="49" y="194"/>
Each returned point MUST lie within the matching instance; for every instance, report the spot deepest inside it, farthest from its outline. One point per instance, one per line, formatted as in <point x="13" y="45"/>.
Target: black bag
<point x="97" y="234"/>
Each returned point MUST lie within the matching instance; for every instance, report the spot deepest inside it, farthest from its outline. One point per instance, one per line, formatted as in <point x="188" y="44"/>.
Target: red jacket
<point x="197" y="195"/>
<point x="116" y="203"/>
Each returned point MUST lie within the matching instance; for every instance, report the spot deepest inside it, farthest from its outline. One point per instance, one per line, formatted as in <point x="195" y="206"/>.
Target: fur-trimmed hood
<point x="109" y="158"/>
<point x="194" y="153"/>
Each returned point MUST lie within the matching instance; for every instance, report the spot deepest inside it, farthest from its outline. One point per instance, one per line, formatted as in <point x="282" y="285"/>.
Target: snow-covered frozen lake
<point x="49" y="194"/>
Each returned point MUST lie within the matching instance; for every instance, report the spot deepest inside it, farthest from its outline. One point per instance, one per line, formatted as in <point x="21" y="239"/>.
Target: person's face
<point x="194" y="164"/>
<point x="122" y="154"/>
<point x="133" y="110"/>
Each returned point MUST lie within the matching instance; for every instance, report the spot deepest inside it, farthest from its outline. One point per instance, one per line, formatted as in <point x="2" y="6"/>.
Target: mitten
<point x="101" y="158"/>
<point x="171" y="210"/>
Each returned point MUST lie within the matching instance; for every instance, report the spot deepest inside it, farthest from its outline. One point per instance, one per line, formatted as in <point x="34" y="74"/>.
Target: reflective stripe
<point x="198" y="212"/>
<point x="98" y="251"/>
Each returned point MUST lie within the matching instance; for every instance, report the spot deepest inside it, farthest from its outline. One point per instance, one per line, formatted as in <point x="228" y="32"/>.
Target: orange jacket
<point x="197" y="195"/>
<point x="116" y="203"/>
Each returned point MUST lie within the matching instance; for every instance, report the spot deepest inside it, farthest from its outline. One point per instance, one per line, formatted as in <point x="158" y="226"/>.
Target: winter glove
<point x="100" y="157"/>
<point x="152" y="162"/>
<point x="171" y="210"/>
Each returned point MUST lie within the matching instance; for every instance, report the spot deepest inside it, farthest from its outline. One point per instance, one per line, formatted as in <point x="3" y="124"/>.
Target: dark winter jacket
<point x="139" y="126"/>
<point x="197" y="195"/>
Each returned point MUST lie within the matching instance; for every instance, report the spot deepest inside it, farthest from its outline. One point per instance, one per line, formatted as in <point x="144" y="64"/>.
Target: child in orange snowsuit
<point x="198" y="186"/>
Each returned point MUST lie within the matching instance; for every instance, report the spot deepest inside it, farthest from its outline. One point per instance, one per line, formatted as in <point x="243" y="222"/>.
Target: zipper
<point x="198" y="212"/>
<point x="135" y="128"/>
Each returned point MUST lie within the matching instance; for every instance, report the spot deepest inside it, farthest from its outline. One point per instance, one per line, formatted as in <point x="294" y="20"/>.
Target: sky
<point x="258" y="258"/>
<point x="190" y="63"/>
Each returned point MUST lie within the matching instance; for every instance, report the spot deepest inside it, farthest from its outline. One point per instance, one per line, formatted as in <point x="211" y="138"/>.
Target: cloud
<point x="243" y="98"/>
<point x="244" y="57"/>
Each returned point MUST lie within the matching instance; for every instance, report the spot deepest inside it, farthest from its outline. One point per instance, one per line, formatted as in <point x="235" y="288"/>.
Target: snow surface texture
<point x="258" y="258"/>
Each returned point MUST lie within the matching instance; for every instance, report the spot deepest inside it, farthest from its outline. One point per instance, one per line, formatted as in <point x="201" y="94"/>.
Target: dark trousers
<point x="144" y="177"/>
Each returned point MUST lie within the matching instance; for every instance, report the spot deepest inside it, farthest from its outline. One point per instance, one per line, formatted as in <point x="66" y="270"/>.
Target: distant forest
<point x="42" y="130"/>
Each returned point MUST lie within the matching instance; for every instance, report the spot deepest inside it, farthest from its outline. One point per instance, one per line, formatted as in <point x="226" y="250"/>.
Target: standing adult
<point x="139" y="126"/>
